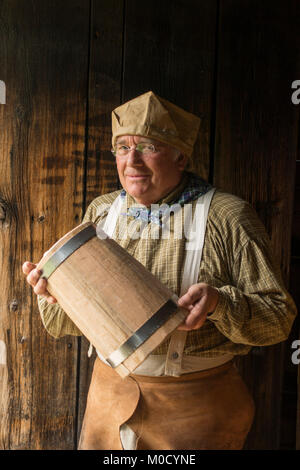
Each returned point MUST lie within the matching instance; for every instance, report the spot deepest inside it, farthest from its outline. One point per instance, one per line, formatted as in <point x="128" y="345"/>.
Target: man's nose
<point x="133" y="157"/>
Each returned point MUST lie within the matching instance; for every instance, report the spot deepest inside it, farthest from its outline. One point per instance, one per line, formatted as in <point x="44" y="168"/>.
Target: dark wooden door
<point x="66" y="65"/>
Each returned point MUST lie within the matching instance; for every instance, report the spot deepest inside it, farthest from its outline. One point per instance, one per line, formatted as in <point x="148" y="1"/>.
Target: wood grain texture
<point x="296" y="253"/>
<point x="104" y="94"/>
<point x="105" y="77"/>
<point x="256" y="143"/>
<point x="290" y="424"/>
<point x="170" y="49"/>
<point x="43" y="63"/>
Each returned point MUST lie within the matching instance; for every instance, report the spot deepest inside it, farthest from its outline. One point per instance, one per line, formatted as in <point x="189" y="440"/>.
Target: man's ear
<point x="182" y="161"/>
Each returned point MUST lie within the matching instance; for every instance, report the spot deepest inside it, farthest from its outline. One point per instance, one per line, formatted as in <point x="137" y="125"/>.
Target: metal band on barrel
<point x="67" y="250"/>
<point x="142" y="334"/>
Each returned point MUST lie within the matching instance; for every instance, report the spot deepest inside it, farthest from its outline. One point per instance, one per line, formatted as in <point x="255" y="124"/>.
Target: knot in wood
<point x="2" y="213"/>
<point x="13" y="306"/>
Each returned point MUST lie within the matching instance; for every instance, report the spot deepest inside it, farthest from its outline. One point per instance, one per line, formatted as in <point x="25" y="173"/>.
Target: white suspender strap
<point x="194" y="248"/>
<point x="194" y="245"/>
<point x="112" y="217"/>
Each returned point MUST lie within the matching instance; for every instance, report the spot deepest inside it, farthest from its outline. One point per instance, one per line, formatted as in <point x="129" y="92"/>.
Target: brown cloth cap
<point x="150" y="116"/>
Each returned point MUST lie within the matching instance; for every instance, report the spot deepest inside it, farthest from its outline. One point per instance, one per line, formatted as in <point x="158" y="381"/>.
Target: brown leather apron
<point x="210" y="409"/>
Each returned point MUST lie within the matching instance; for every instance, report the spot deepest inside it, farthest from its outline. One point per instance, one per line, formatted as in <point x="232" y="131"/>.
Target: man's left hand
<point x="200" y="299"/>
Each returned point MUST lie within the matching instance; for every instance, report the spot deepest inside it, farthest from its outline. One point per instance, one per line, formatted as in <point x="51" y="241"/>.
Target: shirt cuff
<point x="221" y="309"/>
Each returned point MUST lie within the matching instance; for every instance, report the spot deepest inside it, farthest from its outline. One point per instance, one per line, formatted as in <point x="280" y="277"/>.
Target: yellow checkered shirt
<point x="254" y="308"/>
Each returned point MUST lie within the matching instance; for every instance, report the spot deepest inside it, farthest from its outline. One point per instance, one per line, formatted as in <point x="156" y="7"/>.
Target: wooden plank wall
<point x="44" y="64"/>
<point x="66" y="66"/>
<point x="256" y="135"/>
<point x="290" y="424"/>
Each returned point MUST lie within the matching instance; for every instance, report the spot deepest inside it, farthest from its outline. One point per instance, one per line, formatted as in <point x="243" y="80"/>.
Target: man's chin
<point x="141" y="197"/>
<point x="137" y="190"/>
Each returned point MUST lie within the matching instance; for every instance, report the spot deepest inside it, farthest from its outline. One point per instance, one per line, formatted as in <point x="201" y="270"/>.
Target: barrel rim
<point x="61" y="242"/>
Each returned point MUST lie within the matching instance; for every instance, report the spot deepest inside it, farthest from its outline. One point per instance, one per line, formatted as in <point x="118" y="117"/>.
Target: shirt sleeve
<point x="55" y="320"/>
<point x="255" y="309"/>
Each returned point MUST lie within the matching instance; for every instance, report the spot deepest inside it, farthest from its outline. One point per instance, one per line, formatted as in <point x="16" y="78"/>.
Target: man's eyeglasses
<point x="122" y="150"/>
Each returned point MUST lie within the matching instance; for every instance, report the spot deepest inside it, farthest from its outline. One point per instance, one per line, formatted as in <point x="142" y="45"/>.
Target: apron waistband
<point x="184" y="377"/>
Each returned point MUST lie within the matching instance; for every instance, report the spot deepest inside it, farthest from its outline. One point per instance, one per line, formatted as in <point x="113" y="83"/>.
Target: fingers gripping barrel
<point x="121" y="308"/>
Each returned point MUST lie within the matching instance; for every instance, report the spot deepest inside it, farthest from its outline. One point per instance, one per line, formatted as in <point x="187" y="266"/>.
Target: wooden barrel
<point x="121" y="308"/>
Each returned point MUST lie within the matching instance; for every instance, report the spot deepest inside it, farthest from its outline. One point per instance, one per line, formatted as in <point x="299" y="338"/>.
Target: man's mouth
<point x="137" y="176"/>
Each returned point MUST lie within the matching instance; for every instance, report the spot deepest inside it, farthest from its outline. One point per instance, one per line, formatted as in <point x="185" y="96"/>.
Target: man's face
<point x="148" y="178"/>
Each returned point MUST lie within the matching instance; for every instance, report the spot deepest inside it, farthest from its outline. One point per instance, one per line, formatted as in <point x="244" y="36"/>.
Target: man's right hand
<point x="39" y="285"/>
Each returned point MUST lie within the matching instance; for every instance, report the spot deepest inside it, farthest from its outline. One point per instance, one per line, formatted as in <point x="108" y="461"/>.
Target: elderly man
<point x="187" y="394"/>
